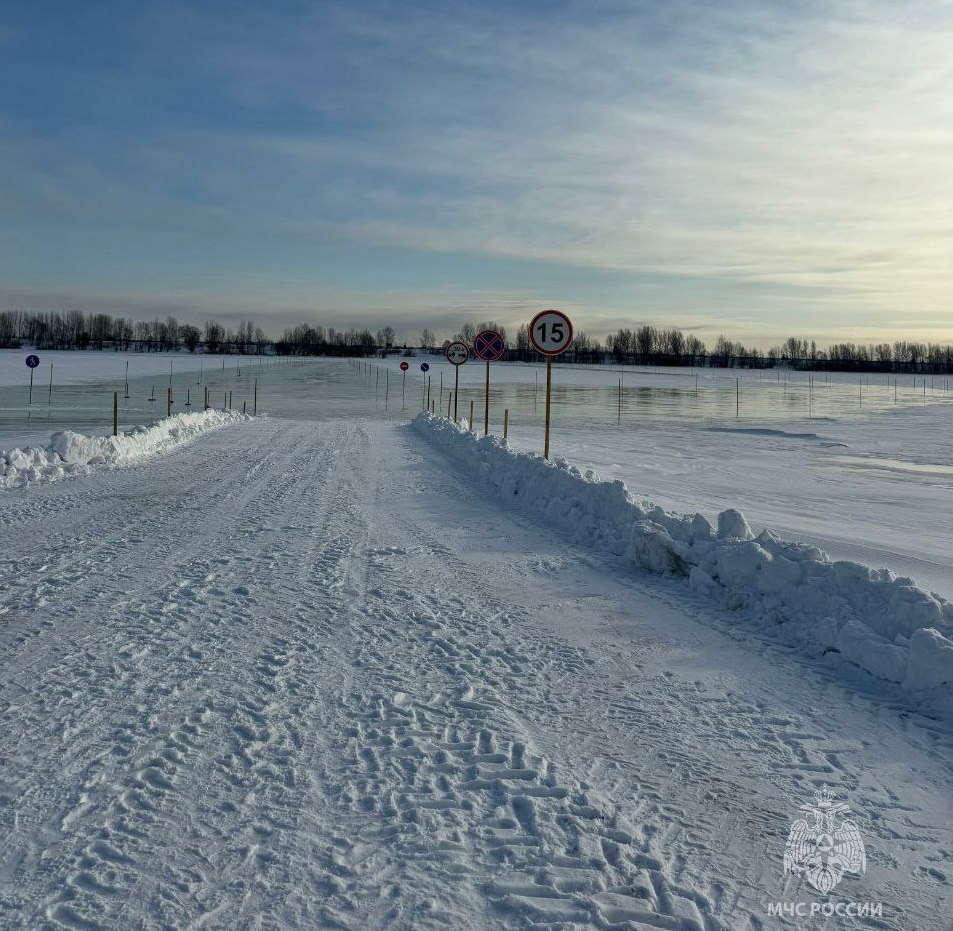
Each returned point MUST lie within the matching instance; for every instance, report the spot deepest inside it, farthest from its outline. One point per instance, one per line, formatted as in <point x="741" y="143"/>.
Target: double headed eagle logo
<point x="825" y="845"/>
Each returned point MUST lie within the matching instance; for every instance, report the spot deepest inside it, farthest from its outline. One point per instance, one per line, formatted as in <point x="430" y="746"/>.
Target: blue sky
<point x="761" y="170"/>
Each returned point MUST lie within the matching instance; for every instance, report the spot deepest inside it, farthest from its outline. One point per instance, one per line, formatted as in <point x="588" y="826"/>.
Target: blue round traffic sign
<point x="424" y="366"/>
<point x="33" y="361"/>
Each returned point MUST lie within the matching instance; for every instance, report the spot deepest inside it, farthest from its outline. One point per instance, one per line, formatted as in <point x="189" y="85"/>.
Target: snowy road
<point x="301" y="675"/>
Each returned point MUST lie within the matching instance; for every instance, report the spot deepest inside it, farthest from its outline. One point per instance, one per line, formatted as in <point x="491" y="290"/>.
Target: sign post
<point x="489" y="346"/>
<point x="457" y="354"/>
<point x="550" y="332"/>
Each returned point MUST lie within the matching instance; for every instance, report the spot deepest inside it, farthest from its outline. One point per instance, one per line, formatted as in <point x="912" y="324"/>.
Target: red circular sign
<point x="550" y="332"/>
<point x="489" y="345"/>
<point x="404" y="366"/>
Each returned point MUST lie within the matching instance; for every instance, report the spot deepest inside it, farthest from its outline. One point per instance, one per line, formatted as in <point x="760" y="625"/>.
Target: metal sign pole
<point x="549" y="385"/>
<point x="486" y="403"/>
<point x="456" y="391"/>
<point x="31" y="386"/>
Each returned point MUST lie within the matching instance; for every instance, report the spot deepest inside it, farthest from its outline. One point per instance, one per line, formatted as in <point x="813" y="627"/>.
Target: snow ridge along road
<point x="302" y="676"/>
<point x="843" y="611"/>
<point x="70" y="453"/>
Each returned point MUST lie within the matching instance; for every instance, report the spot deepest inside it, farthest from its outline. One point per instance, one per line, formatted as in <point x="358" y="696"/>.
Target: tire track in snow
<point x="449" y="812"/>
<point x="717" y="784"/>
<point x="190" y="641"/>
<point x="387" y="742"/>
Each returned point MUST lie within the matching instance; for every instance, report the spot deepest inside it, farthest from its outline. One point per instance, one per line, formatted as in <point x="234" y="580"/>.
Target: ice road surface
<point x="300" y="675"/>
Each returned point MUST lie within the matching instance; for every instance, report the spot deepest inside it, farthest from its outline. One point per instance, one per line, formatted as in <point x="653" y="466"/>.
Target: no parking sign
<point x="489" y="346"/>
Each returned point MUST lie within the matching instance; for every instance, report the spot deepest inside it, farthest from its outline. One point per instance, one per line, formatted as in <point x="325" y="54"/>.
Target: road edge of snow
<point x="70" y="453"/>
<point x="842" y="611"/>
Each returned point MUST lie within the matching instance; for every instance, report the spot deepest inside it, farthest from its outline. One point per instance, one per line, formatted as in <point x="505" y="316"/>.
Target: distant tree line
<point x="76" y="330"/>
<point x="648" y="345"/>
<point x="307" y="340"/>
<point x="645" y="345"/>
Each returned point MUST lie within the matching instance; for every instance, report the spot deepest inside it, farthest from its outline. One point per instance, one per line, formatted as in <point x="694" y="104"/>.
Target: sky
<point x="755" y="169"/>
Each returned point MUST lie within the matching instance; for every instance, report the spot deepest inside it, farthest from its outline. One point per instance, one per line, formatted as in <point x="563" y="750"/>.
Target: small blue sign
<point x="33" y="361"/>
<point x="424" y="366"/>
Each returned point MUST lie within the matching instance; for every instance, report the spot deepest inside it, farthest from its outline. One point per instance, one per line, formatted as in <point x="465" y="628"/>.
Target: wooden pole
<point x="168" y="402"/>
<point x="255" y="408"/>
<point x="449" y="402"/>
<point x="737" y="397"/>
<point x="486" y="403"/>
<point x="49" y="400"/>
<point x="549" y="388"/>
<point x="31" y="386"/>
<point x="428" y="392"/>
<point x="188" y="397"/>
<point x="470" y="424"/>
<point x="127" y="378"/>
<point x="506" y="423"/>
<point x="115" y="413"/>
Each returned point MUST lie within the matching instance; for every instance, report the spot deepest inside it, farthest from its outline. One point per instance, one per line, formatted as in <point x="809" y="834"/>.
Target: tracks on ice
<point x="249" y="686"/>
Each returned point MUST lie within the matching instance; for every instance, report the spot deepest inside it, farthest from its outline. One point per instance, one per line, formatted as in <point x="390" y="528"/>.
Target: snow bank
<point x="841" y="610"/>
<point x="76" y="454"/>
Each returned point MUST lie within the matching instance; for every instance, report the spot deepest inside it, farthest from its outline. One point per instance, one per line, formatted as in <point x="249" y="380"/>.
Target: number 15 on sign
<point x="550" y="332"/>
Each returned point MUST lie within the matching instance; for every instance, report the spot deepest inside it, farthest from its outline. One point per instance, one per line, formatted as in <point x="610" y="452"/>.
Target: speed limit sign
<point x="550" y="332"/>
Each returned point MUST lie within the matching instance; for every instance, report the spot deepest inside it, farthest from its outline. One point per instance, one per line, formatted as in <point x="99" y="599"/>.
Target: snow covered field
<point x="317" y="673"/>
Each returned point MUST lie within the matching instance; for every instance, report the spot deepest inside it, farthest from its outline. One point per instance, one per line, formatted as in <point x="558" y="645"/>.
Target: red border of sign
<point x="404" y="365"/>
<point x="476" y="351"/>
<point x="457" y="342"/>
<point x="532" y="327"/>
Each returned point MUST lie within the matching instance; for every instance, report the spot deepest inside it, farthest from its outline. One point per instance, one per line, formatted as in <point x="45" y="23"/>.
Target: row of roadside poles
<point x="550" y="334"/>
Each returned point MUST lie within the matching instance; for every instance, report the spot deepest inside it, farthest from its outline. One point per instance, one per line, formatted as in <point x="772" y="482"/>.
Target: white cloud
<point x="768" y="167"/>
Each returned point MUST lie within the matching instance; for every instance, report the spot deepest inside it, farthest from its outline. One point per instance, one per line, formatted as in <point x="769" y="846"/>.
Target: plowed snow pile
<point x="844" y="611"/>
<point x="76" y="454"/>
